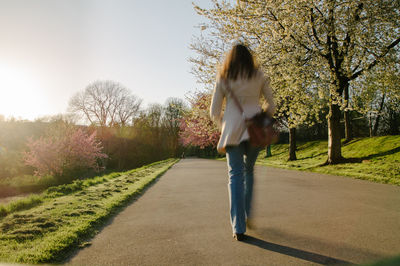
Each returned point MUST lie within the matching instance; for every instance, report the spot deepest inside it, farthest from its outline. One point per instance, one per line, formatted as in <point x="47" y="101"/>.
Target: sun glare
<point x="18" y="93"/>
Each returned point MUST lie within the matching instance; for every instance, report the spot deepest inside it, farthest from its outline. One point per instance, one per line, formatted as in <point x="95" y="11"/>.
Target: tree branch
<point x="291" y="35"/>
<point x="347" y="40"/>
<point x="373" y="63"/>
<point x="314" y="31"/>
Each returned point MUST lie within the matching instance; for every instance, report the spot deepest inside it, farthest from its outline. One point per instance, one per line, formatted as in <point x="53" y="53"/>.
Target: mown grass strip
<point x="51" y="230"/>
<point x="21" y="204"/>
<point x="60" y="190"/>
<point x="378" y="159"/>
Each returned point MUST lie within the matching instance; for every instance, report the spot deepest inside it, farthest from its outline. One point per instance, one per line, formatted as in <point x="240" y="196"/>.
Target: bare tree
<point x="128" y="108"/>
<point x="105" y="103"/>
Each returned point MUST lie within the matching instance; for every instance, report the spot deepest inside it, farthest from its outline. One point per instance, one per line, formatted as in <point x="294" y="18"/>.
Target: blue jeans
<point x="241" y="160"/>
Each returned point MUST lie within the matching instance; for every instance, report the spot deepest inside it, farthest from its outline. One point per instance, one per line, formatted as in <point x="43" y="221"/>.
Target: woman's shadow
<point x="294" y="252"/>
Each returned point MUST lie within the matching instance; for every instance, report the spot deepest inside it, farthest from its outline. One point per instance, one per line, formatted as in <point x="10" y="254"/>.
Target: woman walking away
<point x="239" y="76"/>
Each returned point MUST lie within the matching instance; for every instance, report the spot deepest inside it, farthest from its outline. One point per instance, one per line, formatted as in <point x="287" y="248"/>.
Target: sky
<point x="51" y="49"/>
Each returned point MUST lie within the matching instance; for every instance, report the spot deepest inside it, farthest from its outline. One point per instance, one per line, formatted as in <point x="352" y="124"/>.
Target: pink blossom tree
<point x="196" y="128"/>
<point x="64" y="150"/>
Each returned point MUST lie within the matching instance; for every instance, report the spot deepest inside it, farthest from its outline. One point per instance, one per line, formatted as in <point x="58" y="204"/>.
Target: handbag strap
<point x="235" y="99"/>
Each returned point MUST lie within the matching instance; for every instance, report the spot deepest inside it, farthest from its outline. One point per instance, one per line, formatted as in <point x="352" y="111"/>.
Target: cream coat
<point x="248" y="92"/>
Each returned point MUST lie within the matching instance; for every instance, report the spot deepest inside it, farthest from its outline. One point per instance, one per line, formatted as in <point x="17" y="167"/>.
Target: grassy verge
<point x="13" y="186"/>
<point x="379" y="159"/>
<point x="53" y="192"/>
<point x="395" y="261"/>
<point x="21" y="204"/>
<point x="66" y="215"/>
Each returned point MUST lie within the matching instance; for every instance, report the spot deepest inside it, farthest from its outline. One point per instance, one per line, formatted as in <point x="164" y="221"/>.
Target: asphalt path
<point x="300" y="218"/>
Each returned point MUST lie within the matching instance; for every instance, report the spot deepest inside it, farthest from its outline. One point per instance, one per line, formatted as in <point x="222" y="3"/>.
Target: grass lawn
<point x="379" y="156"/>
<point x="49" y="226"/>
<point x="395" y="261"/>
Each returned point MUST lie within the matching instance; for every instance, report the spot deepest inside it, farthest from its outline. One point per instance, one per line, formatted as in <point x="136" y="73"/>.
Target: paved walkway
<point x="301" y="219"/>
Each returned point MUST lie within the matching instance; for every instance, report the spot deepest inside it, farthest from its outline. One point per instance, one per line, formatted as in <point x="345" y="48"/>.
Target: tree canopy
<point x="308" y="48"/>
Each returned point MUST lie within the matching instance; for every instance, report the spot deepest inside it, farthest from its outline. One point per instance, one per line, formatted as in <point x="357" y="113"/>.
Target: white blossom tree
<point x="297" y="101"/>
<point x="335" y="41"/>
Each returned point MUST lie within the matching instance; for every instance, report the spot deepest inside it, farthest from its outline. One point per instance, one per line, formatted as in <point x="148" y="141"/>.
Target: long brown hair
<point x="238" y="62"/>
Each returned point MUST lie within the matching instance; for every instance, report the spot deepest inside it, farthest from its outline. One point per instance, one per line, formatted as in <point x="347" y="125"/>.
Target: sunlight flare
<point x="19" y="93"/>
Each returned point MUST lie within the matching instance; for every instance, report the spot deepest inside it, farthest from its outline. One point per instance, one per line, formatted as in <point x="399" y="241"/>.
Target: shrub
<point x="64" y="151"/>
<point x="196" y="128"/>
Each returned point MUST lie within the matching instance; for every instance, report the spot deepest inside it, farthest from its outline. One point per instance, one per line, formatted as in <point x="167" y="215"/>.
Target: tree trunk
<point x="394" y="119"/>
<point x="268" y="151"/>
<point x="292" y="144"/>
<point x="347" y="123"/>
<point x="347" y="126"/>
<point x="334" y="138"/>
<point x="370" y="125"/>
<point x="378" y="116"/>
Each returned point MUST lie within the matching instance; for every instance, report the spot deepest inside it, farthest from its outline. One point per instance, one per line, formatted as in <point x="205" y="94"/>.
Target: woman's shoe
<point x="238" y="237"/>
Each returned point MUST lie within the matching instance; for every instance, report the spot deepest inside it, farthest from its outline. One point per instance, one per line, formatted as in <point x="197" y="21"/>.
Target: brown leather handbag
<point x="261" y="127"/>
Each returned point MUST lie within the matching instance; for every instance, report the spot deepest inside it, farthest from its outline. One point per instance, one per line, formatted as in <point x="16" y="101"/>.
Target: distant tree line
<point x="106" y="128"/>
<point x="131" y="136"/>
